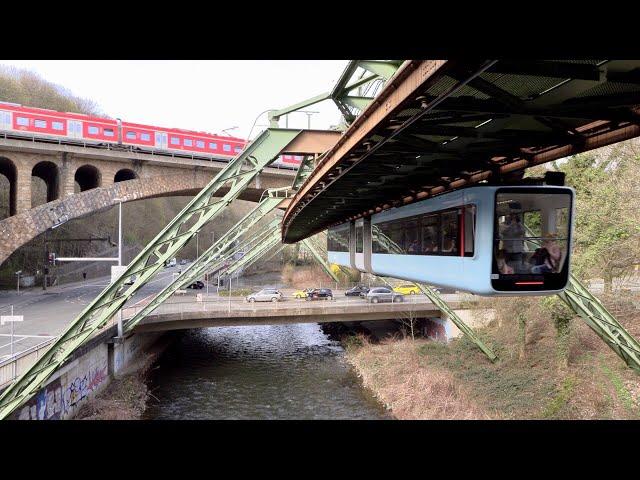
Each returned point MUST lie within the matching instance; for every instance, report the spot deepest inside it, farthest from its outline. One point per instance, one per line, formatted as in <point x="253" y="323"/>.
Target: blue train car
<point x="487" y="240"/>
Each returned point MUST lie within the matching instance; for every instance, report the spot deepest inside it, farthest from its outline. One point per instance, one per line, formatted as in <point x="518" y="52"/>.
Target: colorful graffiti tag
<point x="54" y="401"/>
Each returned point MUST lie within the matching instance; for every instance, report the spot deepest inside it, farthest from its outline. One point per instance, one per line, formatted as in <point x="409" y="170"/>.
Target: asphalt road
<point x="47" y="313"/>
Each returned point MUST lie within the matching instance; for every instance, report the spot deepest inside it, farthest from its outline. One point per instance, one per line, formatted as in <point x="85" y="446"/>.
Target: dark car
<point x="318" y="293"/>
<point x="357" y="291"/>
<point x="196" y="285"/>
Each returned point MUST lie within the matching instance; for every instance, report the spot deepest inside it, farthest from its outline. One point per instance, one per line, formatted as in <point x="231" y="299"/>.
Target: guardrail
<point x="12" y="367"/>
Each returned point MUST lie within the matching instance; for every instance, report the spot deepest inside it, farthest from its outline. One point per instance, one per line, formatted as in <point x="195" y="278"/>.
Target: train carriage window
<point x="338" y="239"/>
<point x="40" y="123"/>
<point x="226" y="147"/>
<point x="188" y="142"/>
<point x="175" y="141"/>
<point x="145" y="137"/>
<point x="430" y="242"/>
<point x="411" y="237"/>
<point x="199" y="144"/>
<point x="213" y="146"/>
<point x="237" y="149"/>
<point x="108" y="132"/>
<point x="131" y="135"/>
<point x="93" y="130"/>
<point x="57" y="125"/>
<point x="24" y="121"/>
<point x="449" y="233"/>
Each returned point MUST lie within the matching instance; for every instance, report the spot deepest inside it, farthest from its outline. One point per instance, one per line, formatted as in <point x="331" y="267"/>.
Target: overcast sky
<point x="206" y="96"/>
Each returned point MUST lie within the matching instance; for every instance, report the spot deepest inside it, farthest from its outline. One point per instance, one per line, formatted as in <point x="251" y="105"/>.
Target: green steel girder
<point x="319" y="258"/>
<point x="439" y="302"/>
<point x="237" y="175"/>
<point x="307" y="166"/>
<point x="270" y="239"/>
<point x="213" y="253"/>
<point x="378" y="70"/>
<point x="602" y="322"/>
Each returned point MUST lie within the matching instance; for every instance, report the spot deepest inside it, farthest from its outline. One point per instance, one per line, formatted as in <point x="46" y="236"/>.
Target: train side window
<point x="449" y="232"/>
<point x="57" y="125"/>
<point x="338" y="239"/>
<point x="131" y="135"/>
<point x="199" y="144"/>
<point x="430" y="242"/>
<point x="213" y="146"/>
<point x="237" y="149"/>
<point x="24" y="121"/>
<point x="108" y="132"/>
<point x="175" y="141"/>
<point x="93" y="130"/>
<point x="188" y="142"/>
<point x="411" y="237"/>
<point x="226" y="147"/>
<point x="40" y="123"/>
<point x="145" y="137"/>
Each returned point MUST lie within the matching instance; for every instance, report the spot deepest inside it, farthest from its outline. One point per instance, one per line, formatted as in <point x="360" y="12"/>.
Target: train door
<point x="162" y="140"/>
<point x="359" y="246"/>
<point x="6" y="122"/>
<point x="74" y="128"/>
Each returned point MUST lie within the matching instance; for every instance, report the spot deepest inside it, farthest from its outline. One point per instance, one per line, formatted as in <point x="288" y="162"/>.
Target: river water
<point x="261" y="372"/>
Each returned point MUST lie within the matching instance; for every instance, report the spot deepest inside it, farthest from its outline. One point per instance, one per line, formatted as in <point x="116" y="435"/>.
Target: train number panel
<point x="486" y="240"/>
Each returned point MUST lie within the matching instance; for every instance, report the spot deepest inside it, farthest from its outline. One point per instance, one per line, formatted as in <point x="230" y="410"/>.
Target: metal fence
<point x="13" y="367"/>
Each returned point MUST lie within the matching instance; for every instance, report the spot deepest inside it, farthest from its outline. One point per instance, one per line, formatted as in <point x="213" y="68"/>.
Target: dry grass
<point x="305" y="276"/>
<point x="124" y="399"/>
<point x="427" y="379"/>
<point x="395" y="372"/>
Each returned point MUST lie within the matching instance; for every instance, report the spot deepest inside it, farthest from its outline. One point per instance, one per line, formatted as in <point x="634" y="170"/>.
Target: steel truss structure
<point x="205" y="206"/>
<point x="602" y="322"/>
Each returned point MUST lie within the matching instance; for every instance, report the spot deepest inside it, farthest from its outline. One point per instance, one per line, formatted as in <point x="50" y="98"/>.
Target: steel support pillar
<point x="319" y="258"/>
<point x="602" y="322"/>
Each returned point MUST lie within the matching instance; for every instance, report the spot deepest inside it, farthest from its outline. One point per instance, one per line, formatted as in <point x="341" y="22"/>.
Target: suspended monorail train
<point x="486" y="240"/>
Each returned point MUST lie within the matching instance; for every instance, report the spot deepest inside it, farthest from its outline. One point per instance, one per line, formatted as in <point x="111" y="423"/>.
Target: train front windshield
<point x="532" y="231"/>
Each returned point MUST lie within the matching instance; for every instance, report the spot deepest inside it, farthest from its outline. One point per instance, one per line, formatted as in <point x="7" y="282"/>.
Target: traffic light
<point x="52" y="258"/>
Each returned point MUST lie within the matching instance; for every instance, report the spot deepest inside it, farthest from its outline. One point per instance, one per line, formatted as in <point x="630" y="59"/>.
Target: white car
<point x="265" y="295"/>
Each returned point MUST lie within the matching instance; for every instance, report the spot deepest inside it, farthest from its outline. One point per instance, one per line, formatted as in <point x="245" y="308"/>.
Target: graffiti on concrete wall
<point x="58" y="398"/>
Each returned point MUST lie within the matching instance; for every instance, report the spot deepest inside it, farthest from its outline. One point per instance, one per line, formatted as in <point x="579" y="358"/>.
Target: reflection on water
<point x="262" y="372"/>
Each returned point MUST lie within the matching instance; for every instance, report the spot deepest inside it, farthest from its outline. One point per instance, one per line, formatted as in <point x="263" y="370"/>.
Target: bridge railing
<point x="13" y="366"/>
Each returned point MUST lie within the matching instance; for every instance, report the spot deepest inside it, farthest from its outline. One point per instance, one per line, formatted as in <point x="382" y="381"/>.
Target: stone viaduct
<point x="83" y="180"/>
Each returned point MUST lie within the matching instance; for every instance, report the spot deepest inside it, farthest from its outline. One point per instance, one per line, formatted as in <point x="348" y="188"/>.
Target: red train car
<point x="39" y="123"/>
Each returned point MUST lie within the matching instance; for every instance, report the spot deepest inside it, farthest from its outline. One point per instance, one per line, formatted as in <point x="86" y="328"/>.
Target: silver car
<point x="265" y="295"/>
<point x="383" y="294"/>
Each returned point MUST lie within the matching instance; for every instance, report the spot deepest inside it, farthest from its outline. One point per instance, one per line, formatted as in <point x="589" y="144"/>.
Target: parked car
<point x="357" y="291"/>
<point x="265" y="295"/>
<point x="407" y="289"/>
<point x="383" y="294"/>
<point x="318" y="293"/>
<point x="301" y="293"/>
<point x="196" y="285"/>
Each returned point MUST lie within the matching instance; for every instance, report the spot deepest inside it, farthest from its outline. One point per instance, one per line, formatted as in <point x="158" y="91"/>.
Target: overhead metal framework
<point x="359" y="83"/>
<point x="440" y="125"/>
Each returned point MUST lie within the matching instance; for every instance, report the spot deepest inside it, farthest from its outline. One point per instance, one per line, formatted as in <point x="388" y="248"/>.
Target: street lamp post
<point x="119" y="200"/>
<point x="18" y="285"/>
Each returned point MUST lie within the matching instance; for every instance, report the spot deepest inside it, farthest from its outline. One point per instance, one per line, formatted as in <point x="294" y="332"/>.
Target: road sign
<point x="10" y="318"/>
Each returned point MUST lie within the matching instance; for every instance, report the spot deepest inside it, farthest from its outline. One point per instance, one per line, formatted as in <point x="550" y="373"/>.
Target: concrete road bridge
<point x="220" y="312"/>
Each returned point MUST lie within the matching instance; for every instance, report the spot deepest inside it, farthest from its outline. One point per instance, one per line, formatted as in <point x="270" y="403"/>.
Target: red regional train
<point x="40" y="123"/>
